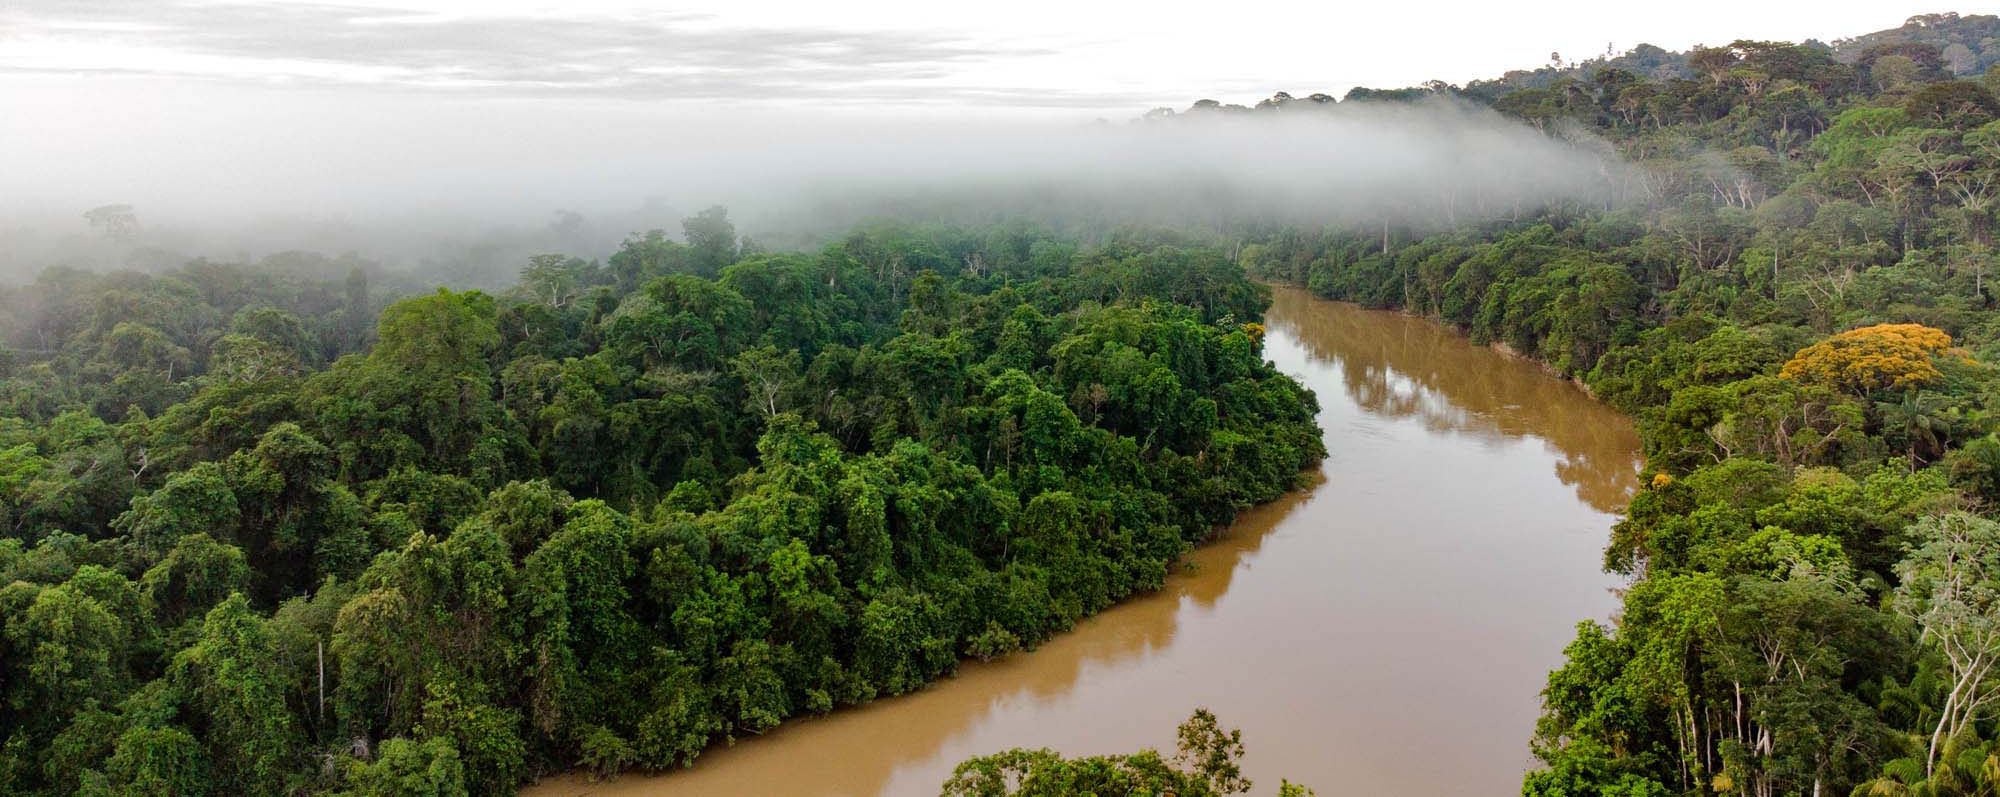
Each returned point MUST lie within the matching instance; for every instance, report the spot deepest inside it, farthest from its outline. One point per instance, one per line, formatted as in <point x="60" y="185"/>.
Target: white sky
<point x="214" y="109"/>
<point x="1113" y="59"/>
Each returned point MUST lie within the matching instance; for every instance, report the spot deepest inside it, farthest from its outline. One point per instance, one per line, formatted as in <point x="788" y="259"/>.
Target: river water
<point x="1385" y="632"/>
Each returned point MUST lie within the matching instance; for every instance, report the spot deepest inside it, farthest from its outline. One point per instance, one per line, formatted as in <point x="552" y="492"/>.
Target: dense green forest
<point x="1796" y="307"/>
<point x="273" y="528"/>
<point x="267" y="532"/>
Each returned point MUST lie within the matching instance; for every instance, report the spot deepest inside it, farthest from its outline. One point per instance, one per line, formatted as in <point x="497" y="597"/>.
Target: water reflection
<point x="1384" y="632"/>
<point x="856" y="751"/>
<point x="1403" y="366"/>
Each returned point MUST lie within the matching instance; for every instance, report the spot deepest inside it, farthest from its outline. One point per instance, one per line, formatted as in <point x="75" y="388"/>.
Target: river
<point x="1386" y="631"/>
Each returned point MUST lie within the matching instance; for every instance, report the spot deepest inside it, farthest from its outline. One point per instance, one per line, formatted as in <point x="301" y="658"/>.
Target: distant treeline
<point x="1936" y="46"/>
<point x="1799" y="316"/>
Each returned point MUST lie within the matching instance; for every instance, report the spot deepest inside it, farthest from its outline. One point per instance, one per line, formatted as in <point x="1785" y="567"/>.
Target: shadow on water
<point x="856" y="750"/>
<point x="1399" y="365"/>
<point x="1385" y="631"/>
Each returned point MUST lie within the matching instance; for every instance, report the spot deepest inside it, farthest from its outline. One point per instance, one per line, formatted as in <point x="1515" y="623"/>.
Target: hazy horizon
<point x="790" y="177"/>
<point x="402" y="129"/>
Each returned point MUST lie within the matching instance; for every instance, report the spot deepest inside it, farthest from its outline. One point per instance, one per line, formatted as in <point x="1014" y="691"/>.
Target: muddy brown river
<point x="1385" y="632"/>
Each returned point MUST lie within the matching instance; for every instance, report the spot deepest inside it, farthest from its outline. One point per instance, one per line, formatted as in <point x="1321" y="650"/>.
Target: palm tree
<point x="1921" y="421"/>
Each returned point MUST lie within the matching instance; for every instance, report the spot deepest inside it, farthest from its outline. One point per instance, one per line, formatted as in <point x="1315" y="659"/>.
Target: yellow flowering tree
<point x="1864" y="360"/>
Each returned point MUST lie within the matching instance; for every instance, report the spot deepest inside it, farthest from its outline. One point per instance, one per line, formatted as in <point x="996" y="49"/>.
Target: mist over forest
<point x="470" y="214"/>
<point x="451" y="400"/>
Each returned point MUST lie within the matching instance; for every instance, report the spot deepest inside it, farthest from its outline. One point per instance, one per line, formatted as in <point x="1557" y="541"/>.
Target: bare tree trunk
<point x="1944" y="718"/>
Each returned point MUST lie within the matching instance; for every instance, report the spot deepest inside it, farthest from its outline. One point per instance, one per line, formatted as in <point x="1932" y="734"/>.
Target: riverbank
<point x="1463" y="508"/>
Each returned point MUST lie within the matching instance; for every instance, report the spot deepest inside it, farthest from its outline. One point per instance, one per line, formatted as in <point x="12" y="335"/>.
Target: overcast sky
<point x="1104" y="58"/>
<point x="217" y="111"/>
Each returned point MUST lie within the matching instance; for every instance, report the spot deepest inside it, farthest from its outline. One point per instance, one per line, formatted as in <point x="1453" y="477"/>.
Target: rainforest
<point x="1798" y="317"/>
<point x="557" y="510"/>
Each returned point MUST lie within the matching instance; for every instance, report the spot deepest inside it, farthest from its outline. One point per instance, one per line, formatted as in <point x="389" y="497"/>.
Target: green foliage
<point x="1794" y="309"/>
<point x="157" y="761"/>
<point x="252" y="543"/>
<point x="608" y="518"/>
<point x="405" y="768"/>
<point x="234" y="688"/>
<point x="1205" y="764"/>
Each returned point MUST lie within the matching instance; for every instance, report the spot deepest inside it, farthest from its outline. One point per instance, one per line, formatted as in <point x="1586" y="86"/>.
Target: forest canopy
<point x="1797" y="312"/>
<point x="306" y="526"/>
<point x="266" y="533"/>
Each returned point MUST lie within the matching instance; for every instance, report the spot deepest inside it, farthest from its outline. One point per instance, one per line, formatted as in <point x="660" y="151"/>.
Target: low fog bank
<point x="1426" y="165"/>
<point x="464" y="194"/>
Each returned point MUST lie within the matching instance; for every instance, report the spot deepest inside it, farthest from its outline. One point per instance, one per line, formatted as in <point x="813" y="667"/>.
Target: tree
<point x="767" y="374"/>
<point x="1785" y="647"/>
<point x="198" y="500"/>
<point x="593" y="518"/>
<point x="424" y="396"/>
<point x="1920" y="422"/>
<point x="486" y="737"/>
<point x="118" y="222"/>
<point x="711" y="240"/>
<point x="1783" y="421"/>
<point x="440" y="334"/>
<point x="1956" y="105"/>
<point x="552" y="279"/>
<point x="1949" y="589"/>
<point x="1594" y="734"/>
<point x="245" y="359"/>
<point x="1892" y="72"/>
<point x="1861" y="361"/>
<point x="687" y="321"/>
<point x="1205" y="764"/>
<point x="195" y="576"/>
<point x="405" y="768"/>
<point x="1211" y="752"/>
<point x="235" y="689"/>
<point x="642" y="258"/>
<point x="68" y="653"/>
<point x="163" y="760"/>
<point x="582" y="637"/>
<point x="280" y="329"/>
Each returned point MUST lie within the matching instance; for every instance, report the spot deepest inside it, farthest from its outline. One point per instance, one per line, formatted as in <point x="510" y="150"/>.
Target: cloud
<point x="230" y="173"/>
<point x="648" y="55"/>
<point x="1432" y="164"/>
